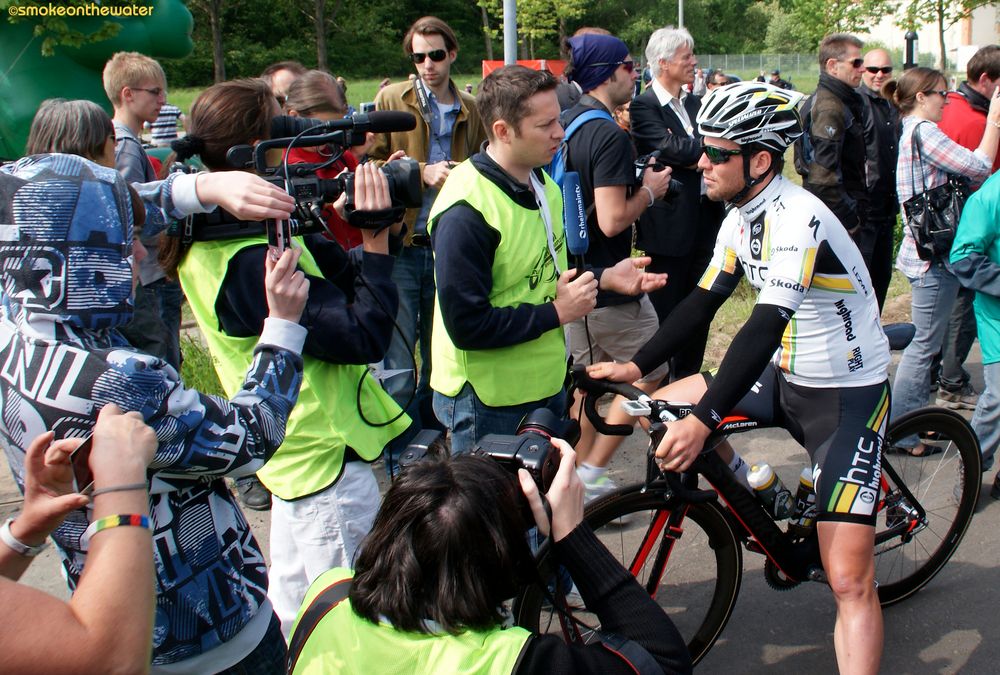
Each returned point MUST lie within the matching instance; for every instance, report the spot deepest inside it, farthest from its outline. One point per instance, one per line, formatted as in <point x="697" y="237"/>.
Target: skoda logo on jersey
<point x="755" y="248"/>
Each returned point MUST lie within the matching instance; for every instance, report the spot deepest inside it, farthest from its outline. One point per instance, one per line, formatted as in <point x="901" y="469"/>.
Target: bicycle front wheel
<point x="694" y="574"/>
<point x="927" y="502"/>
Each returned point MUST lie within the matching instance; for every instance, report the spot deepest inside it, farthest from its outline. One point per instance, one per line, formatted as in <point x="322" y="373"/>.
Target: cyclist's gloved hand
<point x="565" y="495"/>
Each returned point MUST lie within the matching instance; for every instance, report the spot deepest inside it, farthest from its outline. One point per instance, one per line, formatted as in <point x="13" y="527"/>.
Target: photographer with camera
<point x="447" y="548"/>
<point x="679" y="234"/>
<point x="324" y="493"/>
<point x="603" y="155"/>
<point x="67" y="227"/>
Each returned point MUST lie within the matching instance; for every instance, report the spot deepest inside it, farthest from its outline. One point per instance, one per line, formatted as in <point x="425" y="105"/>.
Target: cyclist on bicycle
<point x="812" y="357"/>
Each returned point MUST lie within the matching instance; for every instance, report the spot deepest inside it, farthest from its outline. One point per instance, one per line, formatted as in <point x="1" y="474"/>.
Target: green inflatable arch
<point x="27" y="78"/>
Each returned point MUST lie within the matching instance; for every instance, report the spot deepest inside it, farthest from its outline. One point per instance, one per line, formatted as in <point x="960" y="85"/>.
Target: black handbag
<point x="932" y="216"/>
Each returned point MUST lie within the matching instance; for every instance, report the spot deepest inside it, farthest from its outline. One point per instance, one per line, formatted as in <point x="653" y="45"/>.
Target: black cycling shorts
<point x="842" y="429"/>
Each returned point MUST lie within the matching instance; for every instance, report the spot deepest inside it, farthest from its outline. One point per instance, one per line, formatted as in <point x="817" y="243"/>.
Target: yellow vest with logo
<point x="325" y="420"/>
<point x="348" y="644"/>
<point x="523" y="272"/>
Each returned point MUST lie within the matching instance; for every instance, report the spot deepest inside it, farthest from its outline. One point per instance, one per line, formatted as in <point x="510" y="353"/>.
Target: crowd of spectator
<point x="471" y="303"/>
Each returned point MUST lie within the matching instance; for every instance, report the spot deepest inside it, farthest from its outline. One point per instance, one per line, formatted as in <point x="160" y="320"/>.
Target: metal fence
<point x="803" y="64"/>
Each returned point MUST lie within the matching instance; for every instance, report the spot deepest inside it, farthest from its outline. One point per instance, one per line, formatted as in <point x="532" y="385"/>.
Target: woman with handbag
<point x="932" y="175"/>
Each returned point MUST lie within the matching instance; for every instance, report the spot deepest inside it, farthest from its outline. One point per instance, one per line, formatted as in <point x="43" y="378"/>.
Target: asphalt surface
<point x="945" y="628"/>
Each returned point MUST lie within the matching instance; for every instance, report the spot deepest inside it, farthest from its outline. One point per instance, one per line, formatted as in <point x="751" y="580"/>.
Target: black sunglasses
<point x="436" y="56"/>
<point x="717" y="155"/>
<point x="885" y="70"/>
<point x="629" y="65"/>
<point x="939" y="92"/>
<point x="855" y="63"/>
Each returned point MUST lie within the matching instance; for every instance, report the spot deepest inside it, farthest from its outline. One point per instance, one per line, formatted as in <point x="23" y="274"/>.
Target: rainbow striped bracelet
<point x="120" y="520"/>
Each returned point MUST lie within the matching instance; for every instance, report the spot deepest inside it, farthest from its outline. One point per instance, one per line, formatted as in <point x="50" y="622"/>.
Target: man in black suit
<point x="679" y="233"/>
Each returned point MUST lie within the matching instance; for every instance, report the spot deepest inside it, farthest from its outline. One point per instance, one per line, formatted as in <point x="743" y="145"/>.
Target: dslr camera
<point x="530" y="448"/>
<point x="642" y="164"/>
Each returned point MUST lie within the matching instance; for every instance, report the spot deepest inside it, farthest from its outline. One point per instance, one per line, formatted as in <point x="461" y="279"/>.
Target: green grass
<point x="197" y="370"/>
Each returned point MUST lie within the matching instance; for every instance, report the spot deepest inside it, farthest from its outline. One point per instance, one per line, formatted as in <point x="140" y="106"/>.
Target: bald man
<point x="876" y="238"/>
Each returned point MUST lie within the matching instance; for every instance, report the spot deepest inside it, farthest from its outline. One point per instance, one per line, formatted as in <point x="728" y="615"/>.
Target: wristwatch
<point x="17" y="545"/>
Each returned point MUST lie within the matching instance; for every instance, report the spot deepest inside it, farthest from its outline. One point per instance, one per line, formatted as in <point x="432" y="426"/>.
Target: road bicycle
<point x="682" y="536"/>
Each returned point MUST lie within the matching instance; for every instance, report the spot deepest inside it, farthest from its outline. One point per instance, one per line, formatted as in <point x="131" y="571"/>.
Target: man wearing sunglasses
<point x="448" y="131"/>
<point x="832" y="154"/>
<point x="877" y="236"/>
<point x="812" y="354"/>
<point x="602" y="154"/>
<point x="677" y="234"/>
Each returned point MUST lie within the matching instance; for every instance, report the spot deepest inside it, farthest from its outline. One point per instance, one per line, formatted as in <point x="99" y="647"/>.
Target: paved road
<point x="943" y="629"/>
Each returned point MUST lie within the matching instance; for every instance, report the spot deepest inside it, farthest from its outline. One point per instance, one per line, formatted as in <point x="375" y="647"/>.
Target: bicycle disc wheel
<point x="697" y="589"/>
<point x="911" y="548"/>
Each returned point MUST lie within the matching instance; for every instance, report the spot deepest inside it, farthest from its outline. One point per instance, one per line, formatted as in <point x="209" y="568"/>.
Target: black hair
<point x="448" y="545"/>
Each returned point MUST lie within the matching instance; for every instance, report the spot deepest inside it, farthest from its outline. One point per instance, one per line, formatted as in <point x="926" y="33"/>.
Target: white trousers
<point x="314" y="534"/>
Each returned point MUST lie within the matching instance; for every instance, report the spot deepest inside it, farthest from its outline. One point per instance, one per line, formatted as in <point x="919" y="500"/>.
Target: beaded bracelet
<point x="120" y="520"/>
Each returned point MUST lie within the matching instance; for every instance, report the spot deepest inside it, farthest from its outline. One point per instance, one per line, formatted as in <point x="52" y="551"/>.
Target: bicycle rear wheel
<point x="698" y="588"/>
<point x="927" y="502"/>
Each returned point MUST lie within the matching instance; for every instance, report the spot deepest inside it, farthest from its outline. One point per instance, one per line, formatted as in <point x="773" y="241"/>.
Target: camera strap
<point x="543" y="207"/>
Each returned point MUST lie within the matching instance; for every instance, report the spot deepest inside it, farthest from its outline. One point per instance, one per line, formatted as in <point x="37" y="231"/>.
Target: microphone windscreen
<point x="387" y="121"/>
<point x="574" y="214"/>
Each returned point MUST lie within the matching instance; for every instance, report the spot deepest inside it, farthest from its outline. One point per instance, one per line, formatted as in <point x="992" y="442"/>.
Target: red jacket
<point x="337" y="227"/>
<point x="964" y="119"/>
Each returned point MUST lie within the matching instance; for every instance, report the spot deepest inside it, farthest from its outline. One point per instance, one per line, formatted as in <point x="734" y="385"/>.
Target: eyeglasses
<point x="940" y="92"/>
<point x="885" y="70"/>
<point x="855" y="63"/>
<point x="629" y="65"/>
<point x="155" y="91"/>
<point x="436" y="56"/>
<point x="717" y="155"/>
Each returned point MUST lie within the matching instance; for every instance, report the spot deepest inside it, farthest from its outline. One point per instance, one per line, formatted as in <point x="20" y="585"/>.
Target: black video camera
<point x="642" y="163"/>
<point x="311" y="192"/>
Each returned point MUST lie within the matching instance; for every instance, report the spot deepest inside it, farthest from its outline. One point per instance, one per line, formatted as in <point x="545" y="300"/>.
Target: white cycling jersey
<point x="796" y="253"/>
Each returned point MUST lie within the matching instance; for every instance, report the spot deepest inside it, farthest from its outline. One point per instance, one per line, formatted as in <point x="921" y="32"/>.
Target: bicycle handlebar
<point x="594" y="388"/>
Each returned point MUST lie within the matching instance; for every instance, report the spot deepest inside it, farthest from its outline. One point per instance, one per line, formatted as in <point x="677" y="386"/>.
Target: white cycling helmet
<point x="752" y="112"/>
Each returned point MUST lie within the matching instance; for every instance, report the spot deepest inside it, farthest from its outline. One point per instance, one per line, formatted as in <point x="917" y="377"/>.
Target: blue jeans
<point x="469" y="419"/>
<point x="986" y="419"/>
<point x="267" y="658"/>
<point x="958" y="342"/>
<point x="169" y="297"/>
<point x="933" y="296"/>
<point x="413" y="274"/>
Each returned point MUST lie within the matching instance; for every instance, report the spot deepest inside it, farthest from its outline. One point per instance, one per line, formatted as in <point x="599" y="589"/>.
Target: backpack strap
<point x="584" y="117"/>
<point x="322" y="604"/>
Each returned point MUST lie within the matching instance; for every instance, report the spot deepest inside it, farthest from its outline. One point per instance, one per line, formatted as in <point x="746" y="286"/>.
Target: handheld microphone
<point x="575" y="219"/>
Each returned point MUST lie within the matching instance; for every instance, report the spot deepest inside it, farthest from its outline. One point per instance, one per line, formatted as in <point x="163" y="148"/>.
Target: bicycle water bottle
<point x="771" y="492"/>
<point x="803" y="520"/>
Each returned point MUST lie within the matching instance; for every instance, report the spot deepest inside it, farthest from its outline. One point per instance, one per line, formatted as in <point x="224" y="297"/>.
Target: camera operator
<point x="324" y="493"/>
<point x="602" y="153"/>
<point x="447" y="548"/>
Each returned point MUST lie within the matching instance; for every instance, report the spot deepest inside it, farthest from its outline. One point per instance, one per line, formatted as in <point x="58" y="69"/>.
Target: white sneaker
<point x="601" y="486"/>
